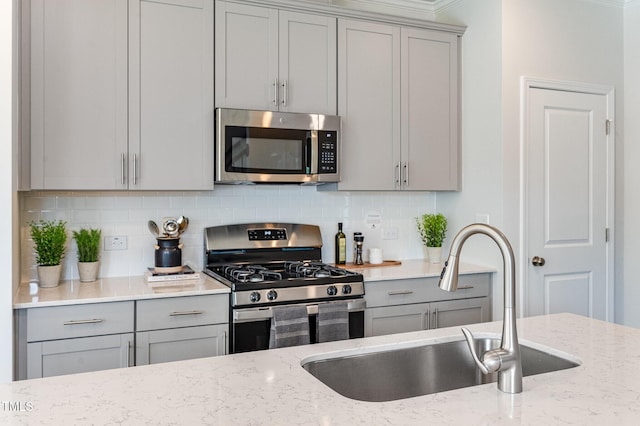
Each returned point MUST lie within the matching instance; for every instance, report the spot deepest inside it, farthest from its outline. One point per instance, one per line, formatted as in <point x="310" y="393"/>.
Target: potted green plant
<point x="88" y="243"/>
<point x="50" y="243"/>
<point x="433" y="230"/>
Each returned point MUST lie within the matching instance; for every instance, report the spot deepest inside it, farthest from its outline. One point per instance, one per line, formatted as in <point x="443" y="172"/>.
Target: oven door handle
<point x="254" y="314"/>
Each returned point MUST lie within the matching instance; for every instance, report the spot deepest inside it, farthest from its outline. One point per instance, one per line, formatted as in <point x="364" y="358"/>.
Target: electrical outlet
<point x="115" y="243"/>
<point x="390" y="233"/>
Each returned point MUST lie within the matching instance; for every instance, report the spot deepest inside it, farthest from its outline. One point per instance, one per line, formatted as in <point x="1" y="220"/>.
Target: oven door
<point x="250" y="327"/>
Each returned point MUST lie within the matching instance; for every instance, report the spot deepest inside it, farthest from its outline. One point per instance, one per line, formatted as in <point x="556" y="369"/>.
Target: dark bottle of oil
<point x="340" y="246"/>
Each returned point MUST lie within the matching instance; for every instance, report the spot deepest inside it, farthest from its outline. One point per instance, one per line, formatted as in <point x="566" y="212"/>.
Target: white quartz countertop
<point x="73" y="292"/>
<point x="271" y="388"/>
<point x="414" y="268"/>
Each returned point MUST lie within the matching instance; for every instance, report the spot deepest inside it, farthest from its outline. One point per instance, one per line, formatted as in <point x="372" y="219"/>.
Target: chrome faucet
<point x="505" y="359"/>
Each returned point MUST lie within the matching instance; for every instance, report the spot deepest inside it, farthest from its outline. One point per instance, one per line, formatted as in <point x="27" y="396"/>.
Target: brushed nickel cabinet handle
<point x="123" y="166"/>
<point x="275" y="91"/>
<point x="399" y="292"/>
<point x="285" y="93"/>
<point x="466" y="287"/>
<point x="87" y="321"/>
<point x="182" y="313"/>
<point x="129" y="353"/>
<point x="405" y="171"/>
<point x="135" y="169"/>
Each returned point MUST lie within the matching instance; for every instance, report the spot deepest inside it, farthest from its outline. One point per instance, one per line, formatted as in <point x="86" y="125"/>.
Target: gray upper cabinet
<point x="399" y="107"/>
<point x="171" y="94"/>
<point x="270" y="59"/>
<point x="429" y="144"/>
<point x="369" y="104"/>
<point x="122" y="94"/>
<point x="78" y="94"/>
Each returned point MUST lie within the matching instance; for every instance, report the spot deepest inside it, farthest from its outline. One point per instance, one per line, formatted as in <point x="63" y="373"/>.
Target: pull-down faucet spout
<point x="506" y="359"/>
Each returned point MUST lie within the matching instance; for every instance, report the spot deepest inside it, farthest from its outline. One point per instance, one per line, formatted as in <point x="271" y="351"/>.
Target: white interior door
<point x="568" y="204"/>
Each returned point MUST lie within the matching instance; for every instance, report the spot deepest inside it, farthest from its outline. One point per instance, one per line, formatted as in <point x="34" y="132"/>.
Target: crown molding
<point x="434" y="6"/>
<point x="439" y="5"/>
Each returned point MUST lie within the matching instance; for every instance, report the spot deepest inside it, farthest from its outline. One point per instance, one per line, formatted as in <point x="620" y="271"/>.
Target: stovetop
<point x="275" y="263"/>
<point x="281" y="274"/>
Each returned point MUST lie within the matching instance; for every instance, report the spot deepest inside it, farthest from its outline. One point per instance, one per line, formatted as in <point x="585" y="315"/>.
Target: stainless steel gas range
<point x="276" y="264"/>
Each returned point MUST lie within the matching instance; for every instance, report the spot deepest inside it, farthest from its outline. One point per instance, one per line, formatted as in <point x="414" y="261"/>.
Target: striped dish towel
<point x="332" y="322"/>
<point x="289" y="326"/>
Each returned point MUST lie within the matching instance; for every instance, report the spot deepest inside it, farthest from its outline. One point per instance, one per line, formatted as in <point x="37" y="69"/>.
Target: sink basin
<point x="413" y="371"/>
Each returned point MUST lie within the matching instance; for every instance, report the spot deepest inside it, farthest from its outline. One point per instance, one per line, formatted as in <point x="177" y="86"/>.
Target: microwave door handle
<point x="312" y="153"/>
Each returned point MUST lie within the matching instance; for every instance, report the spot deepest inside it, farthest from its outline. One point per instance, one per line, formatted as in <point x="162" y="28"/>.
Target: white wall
<point x="629" y="295"/>
<point x="127" y="213"/>
<point x="481" y="133"/>
<point x="7" y="198"/>
<point x="572" y="40"/>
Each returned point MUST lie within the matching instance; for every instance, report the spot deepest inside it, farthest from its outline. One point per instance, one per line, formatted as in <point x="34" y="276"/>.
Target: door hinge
<point x="606" y="235"/>
<point x="607" y="125"/>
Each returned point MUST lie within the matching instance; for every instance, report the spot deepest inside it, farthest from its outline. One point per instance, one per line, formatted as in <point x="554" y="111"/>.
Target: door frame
<point x="526" y="85"/>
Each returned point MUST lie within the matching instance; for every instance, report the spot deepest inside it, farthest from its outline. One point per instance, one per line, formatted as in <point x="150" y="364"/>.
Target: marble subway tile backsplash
<point x="126" y="214"/>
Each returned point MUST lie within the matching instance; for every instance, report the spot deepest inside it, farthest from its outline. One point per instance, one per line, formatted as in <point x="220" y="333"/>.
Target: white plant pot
<point x="49" y="276"/>
<point x="435" y="254"/>
<point x="88" y="271"/>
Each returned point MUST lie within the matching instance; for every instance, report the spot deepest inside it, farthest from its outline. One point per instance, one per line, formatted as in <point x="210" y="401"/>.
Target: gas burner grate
<point x="308" y="269"/>
<point x="250" y="273"/>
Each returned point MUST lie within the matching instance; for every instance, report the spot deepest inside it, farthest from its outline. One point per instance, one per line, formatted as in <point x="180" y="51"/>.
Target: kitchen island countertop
<point x="271" y="388"/>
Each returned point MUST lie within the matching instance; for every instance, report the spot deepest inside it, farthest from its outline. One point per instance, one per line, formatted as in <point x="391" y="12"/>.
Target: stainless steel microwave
<point x="276" y="147"/>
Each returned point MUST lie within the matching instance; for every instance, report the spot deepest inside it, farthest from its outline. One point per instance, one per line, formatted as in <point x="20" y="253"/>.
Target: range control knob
<point x="332" y="290"/>
<point x="346" y="289"/>
<point x="272" y="295"/>
<point x="254" y="296"/>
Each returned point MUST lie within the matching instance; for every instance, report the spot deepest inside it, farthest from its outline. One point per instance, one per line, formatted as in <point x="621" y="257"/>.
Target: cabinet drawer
<point x="93" y="319"/>
<point x="156" y="314"/>
<point x="396" y="292"/>
<point x="424" y="290"/>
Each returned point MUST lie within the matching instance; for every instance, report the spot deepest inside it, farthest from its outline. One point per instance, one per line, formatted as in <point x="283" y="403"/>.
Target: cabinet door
<point x="396" y="319"/>
<point x="246" y="46"/>
<point x="369" y="103"/>
<point x="67" y="356"/>
<point x="171" y="95"/>
<point x="307" y="63"/>
<point x="430" y="146"/>
<point x="78" y="94"/>
<point x="459" y="312"/>
<point x="180" y="343"/>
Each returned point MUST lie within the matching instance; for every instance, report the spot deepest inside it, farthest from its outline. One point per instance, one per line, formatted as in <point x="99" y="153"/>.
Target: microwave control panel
<point x="328" y="155"/>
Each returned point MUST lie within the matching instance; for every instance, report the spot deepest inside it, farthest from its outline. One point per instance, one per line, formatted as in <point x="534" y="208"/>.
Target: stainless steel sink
<point x="413" y="371"/>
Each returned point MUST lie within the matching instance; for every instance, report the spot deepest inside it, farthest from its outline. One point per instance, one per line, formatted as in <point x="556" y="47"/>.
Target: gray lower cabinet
<point x="56" y="340"/>
<point x="58" y="357"/>
<point x="180" y="328"/>
<point x="78" y="338"/>
<point x="399" y="306"/>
